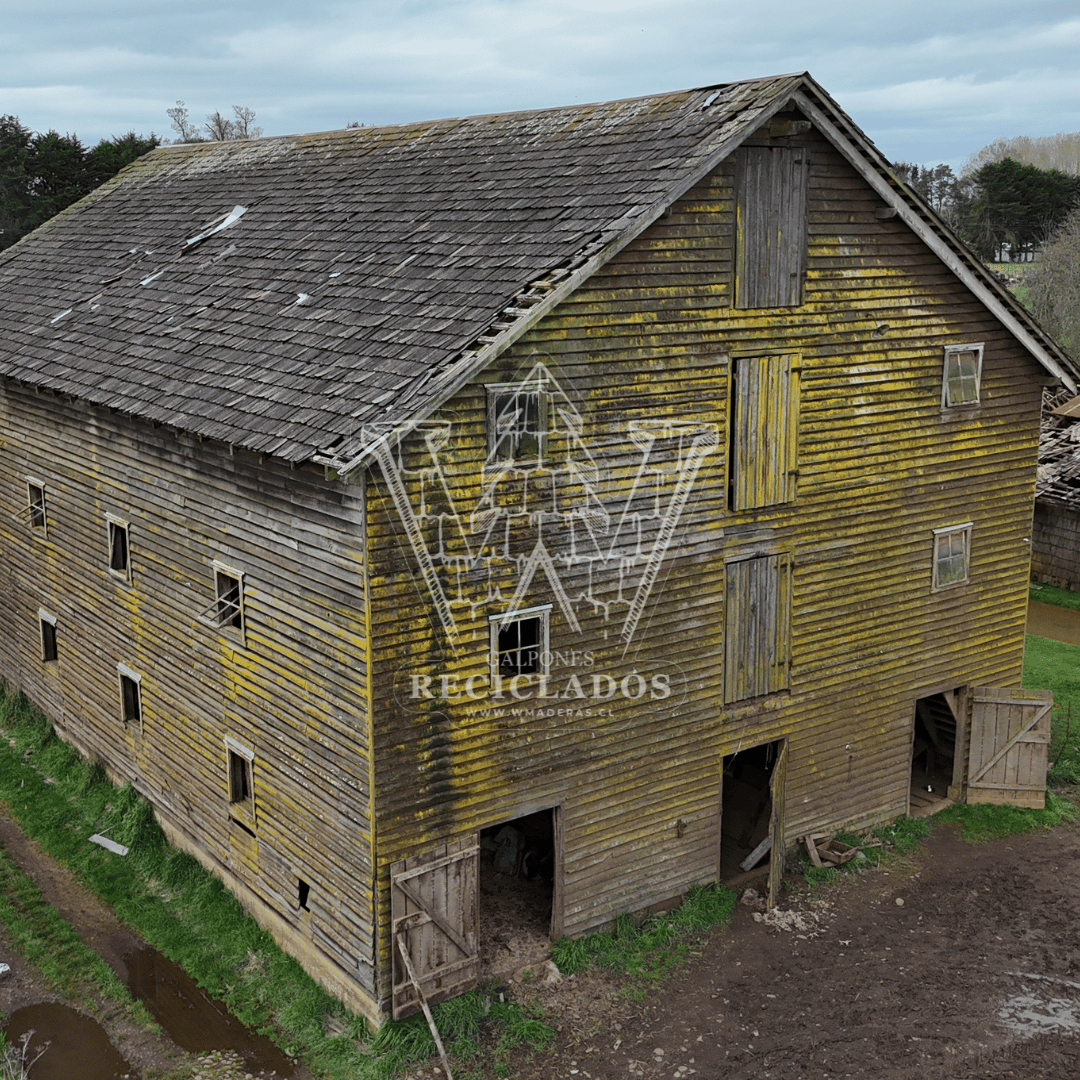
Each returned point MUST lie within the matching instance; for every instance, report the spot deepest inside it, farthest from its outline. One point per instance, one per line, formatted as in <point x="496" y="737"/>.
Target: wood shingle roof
<point x="299" y="295"/>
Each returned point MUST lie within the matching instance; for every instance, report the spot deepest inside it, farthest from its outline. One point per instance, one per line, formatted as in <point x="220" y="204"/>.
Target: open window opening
<point x="119" y="555"/>
<point x="240" y="761"/>
<point x="303" y="892"/>
<point x="517" y="893"/>
<point x="933" y="752"/>
<point x="747" y="812"/>
<point x="47" y="625"/>
<point x="130" y="696"/>
<point x="227" y="609"/>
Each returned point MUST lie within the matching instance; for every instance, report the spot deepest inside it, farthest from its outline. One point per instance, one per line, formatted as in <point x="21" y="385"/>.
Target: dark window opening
<point x="118" y="548"/>
<point x="517" y="425"/>
<point x="48" y="639"/>
<point x="746" y="810"/>
<point x="303" y="891"/>
<point x="520" y="646"/>
<point x="36" y="495"/>
<point x="239" y="778"/>
<point x="229" y="609"/>
<point x="131" y="704"/>
<point x="517" y="891"/>
<point x="933" y="752"/>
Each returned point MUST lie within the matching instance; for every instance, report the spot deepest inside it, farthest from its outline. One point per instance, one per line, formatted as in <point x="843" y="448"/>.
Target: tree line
<point x="1004" y="209"/>
<point x="44" y="173"/>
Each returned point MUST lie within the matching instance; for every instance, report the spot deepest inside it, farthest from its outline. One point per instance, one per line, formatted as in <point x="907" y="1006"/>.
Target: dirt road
<point x="976" y="974"/>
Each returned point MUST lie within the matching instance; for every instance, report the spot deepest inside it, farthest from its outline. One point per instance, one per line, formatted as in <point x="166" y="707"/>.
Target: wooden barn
<point x="464" y="532"/>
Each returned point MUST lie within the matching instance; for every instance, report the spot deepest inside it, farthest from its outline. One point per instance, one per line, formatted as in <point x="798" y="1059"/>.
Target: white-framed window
<point x="519" y="643"/>
<point x="119" y="547"/>
<point x="517" y="422"/>
<point x="47" y="627"/>
<point x="226" y="610"/>
<point x="961" y="375"/>
<point x="240" y="764"/>
<point x="952" y="555"/>
<point x="130" y="695"/>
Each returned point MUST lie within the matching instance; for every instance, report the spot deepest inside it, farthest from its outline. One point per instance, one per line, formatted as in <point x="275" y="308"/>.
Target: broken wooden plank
<point x="757" y="854"/>
<point x="403" y="948"/>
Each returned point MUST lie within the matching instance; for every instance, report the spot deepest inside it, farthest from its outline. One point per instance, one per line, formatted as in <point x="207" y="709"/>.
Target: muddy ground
<point x="975" y="974"/>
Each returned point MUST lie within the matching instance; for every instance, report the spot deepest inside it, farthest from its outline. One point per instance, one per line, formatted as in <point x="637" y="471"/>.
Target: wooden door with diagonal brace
<point x="1010" y="744"/>
<point x="433" y="910"/>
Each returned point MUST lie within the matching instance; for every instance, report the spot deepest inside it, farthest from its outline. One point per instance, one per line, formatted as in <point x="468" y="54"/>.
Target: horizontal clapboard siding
<point x="649" y="339"/>
<point x="292" y="688"/>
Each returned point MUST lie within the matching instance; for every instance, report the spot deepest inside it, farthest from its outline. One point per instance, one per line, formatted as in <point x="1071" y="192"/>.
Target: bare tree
<point x="182" y="125"/>
<point x="1054" y="293"/>
<point x="218" y="128"/>
<point x="242" y="124"/>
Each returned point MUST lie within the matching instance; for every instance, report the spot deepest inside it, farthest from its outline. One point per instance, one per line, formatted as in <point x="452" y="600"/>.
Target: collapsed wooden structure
<point x="656" y="474"/>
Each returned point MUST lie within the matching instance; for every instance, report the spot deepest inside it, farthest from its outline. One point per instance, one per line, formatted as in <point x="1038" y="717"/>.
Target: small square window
<point x="952" y="555"/>
<point x="241" y="761"/>
<point x="519" y="643"/>
<point x="119" y="549"/>
<point x="227" y="608"/>
<point x="962" y="375"/>
<point x="47" y="625"/>
<point x="517" y="423"/>
<point x="130" y="696"/>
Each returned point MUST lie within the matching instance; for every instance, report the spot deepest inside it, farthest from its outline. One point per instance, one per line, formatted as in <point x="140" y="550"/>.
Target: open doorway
<point x="517" y="892"/>
<point x="933" y="753"/>
<point x="747" y="811"/>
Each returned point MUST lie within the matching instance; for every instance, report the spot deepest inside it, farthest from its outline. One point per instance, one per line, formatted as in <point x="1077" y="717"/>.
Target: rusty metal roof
<point x="298" y="295"/>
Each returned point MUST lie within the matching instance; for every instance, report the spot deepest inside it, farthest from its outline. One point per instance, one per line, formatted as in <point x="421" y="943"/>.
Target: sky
<point x="927" y="81"/>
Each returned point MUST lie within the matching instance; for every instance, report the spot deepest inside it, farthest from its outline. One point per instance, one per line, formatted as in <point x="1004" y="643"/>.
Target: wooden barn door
<point x="433" y="912"/>
<point x="777" y="783"/>
<point x="1010" y="743"/>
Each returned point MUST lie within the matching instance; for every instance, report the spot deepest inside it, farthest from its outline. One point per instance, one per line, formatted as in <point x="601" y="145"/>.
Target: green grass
<point x="188" y="914"/>
<point x="652" y="948"/>
<point x="978" y="824"/>
<point x="42" y="936"/>
<point x="1050" y="594"/>
<point x="1055" y="665"/>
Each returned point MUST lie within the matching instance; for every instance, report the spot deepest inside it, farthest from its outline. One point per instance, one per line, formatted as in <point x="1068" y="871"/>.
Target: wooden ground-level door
<point x="777" y="784"/>
<point x="434" y="900"/>
<point x="1010" y="744"/>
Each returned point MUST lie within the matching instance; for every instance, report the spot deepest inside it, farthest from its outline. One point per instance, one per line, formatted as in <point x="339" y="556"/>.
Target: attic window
<point x="517" y="423"/>
<point x="962" y="375"/>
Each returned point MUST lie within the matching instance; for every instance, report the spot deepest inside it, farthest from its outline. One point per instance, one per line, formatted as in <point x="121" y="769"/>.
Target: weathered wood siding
<point x="1055" y="545"/>
<point x="293" y="691"/>
<point x="647" y="341"/>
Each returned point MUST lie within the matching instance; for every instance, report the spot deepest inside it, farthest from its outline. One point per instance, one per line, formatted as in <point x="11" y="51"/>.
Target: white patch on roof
<point x="57" y="318"/>
<point x="233" y="216"/>
<point x="152" y="277"/>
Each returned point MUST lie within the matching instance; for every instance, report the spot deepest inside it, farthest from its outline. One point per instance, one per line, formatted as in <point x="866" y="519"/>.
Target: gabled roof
<point x="304" y="296"/>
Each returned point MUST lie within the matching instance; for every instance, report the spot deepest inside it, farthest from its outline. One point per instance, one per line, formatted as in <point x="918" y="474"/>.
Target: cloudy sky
<point x="927" y="81"/>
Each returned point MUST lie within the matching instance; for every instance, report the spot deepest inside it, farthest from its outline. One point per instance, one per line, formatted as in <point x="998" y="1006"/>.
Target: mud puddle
<point x="1051" y="621"/>
<point x="65" y="1043"/>
<point x="193" y="1019"/>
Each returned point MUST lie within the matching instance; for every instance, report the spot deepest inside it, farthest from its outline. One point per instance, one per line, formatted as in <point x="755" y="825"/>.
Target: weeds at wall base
<point x="186" y="913"/>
